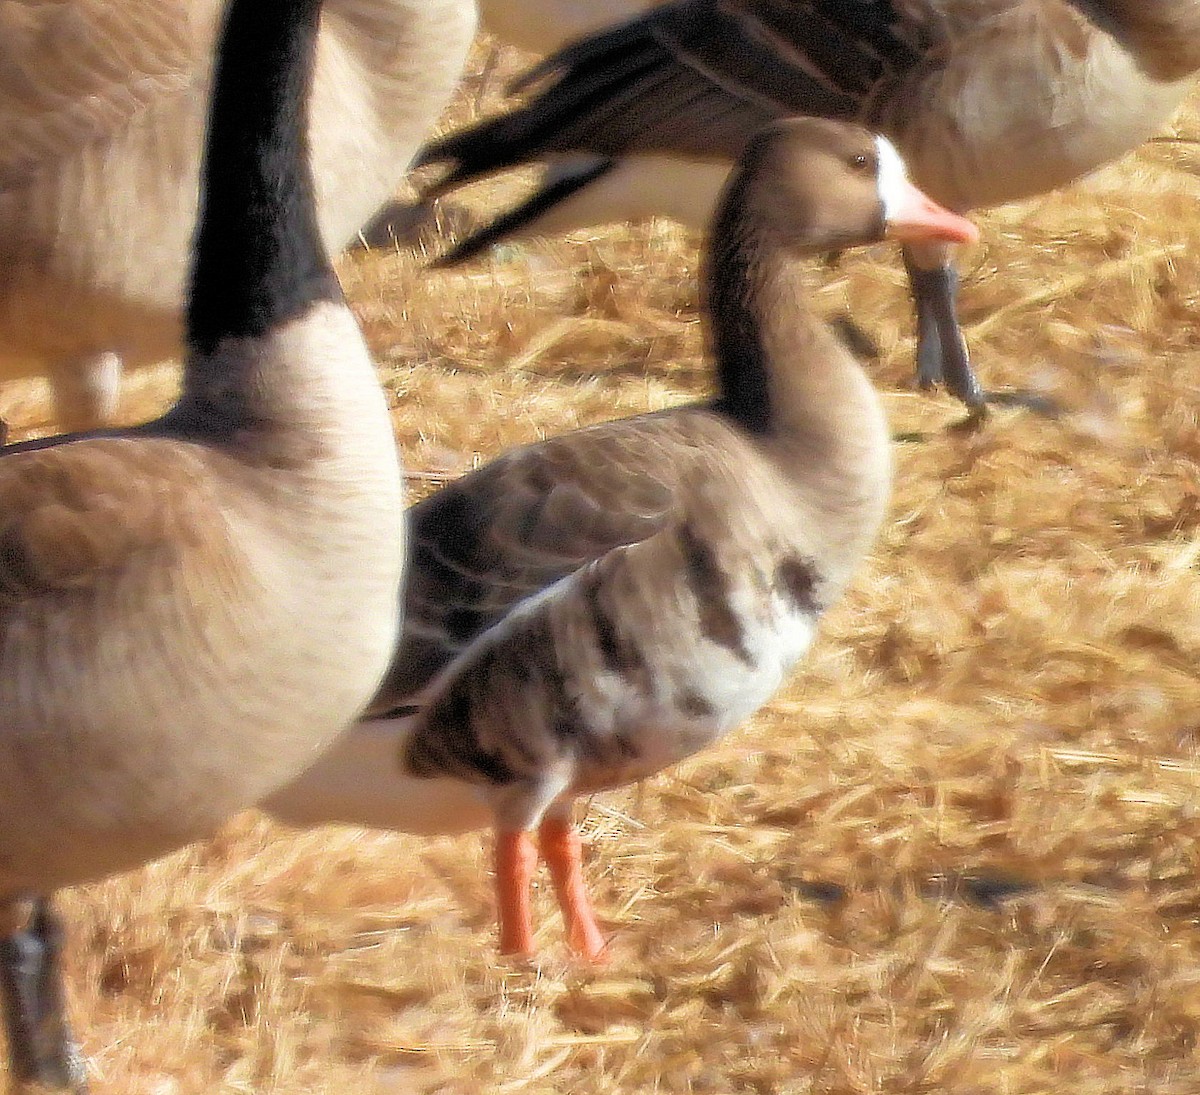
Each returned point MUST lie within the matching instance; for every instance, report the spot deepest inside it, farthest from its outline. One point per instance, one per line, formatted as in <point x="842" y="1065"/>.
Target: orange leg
<point x="516" y="859"/>
<point x="561" y="851"/>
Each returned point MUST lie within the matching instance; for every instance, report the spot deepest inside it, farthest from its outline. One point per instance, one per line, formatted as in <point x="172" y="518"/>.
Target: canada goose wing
<point x="72" y="72"/>
<point x="515" y="527"/>
<point x="699" y="78"/>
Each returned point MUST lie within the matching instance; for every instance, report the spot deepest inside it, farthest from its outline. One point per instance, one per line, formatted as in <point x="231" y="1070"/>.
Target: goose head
<point x="808" y="185"/>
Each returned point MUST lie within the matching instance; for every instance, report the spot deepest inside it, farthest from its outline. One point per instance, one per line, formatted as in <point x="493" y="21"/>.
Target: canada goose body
<point x="102" y="114"/>
<point x="989" y="101"/>
<point x="191" y="610"/>
<point x="585" y="611"/>
<point x="149" y="581"/>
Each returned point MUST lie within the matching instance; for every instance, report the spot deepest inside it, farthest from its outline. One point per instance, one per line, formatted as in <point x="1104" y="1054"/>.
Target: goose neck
<point x="275" y="364"/>
<point x="258" y="257"/>
<point x="782" y="374"/>
<point x="786" y="379"/>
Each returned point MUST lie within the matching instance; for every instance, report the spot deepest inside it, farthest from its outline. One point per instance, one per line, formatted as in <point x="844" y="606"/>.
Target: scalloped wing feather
<point x="81" y="518"/>
<point x="73" y="72"/>
<point x="511" y="530"/>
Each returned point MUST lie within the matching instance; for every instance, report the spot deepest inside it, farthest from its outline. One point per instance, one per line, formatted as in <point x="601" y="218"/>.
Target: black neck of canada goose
<point x="259" y="259"/>
<point x="1162" y="35"/>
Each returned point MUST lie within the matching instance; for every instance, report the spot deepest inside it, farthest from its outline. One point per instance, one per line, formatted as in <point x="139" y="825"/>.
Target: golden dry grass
<point x="957" y="854"/>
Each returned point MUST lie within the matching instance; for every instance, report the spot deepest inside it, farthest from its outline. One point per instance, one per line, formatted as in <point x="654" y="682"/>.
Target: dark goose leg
<point x="942" y="356"/>
<point x="41" y="1050"/>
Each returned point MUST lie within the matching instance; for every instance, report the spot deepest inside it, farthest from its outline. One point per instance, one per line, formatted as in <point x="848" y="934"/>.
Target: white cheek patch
<point x="893" y="178"/>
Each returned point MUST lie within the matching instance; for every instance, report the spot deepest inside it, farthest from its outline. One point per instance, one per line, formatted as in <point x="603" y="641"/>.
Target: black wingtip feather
<point x="525" y="213"/>
<point x="589" y="75"/>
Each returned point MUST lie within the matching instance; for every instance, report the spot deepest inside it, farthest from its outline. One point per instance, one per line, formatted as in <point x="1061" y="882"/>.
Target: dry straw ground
<point x="957" y="854"/>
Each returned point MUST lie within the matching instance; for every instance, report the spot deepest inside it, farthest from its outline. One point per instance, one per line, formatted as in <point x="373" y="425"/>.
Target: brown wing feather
<point x="698" y="78"/>
<point x="528" y="519"/>
<point x="70" y="73"/>
<point x="694" y="79"/>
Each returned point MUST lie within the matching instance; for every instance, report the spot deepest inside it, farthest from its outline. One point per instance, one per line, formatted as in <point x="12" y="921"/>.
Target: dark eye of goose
<point x="864" y="163"/>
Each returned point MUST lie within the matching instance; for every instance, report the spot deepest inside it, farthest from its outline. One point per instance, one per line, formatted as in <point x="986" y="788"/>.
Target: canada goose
<point x="585" y="611"/>
<point x="102" y="113"/>
<point x="989" y="101"/>
<point x="192" y="609"/>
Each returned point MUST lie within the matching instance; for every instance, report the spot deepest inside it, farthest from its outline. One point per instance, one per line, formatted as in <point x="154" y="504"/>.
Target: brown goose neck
<point x="779" y="368"/>
<point x="787" y="380"/>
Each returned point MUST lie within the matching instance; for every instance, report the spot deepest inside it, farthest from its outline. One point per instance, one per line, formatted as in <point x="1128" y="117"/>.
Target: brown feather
<point x="72" y="73"/>
<point x="102" y="114"/>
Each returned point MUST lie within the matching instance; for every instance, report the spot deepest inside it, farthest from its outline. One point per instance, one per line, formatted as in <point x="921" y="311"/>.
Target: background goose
<point x="191" y="610"/>
<point x="102" y="110"/>
<point x="542" y="25"/>
<point x="585" y="611"/>
<point x="989" y="101"/>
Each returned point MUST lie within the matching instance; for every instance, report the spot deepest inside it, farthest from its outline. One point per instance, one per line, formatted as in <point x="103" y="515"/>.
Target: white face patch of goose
<point x="892" y="177"/>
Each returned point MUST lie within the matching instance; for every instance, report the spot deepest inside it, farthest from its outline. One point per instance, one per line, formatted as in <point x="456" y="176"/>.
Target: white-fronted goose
<point x="988" y="100"/>
<point x="585" y="611"/>
<point x="357" y="781"/>
<point x="102" y="111"/>
<point x="191" y="610"/>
